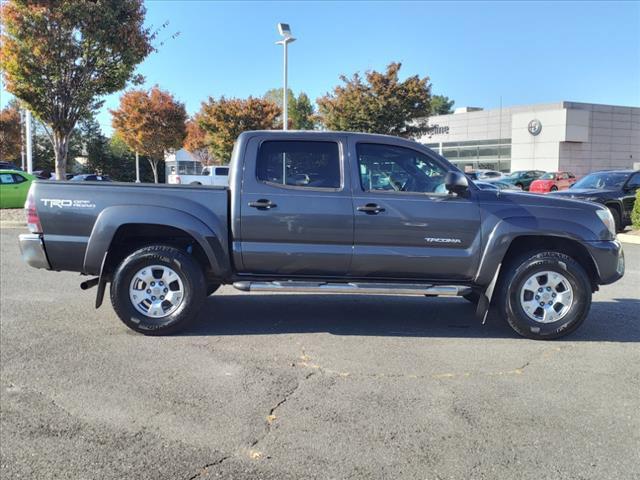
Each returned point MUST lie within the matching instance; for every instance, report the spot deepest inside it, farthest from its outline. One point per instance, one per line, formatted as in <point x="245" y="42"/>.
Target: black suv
<point x="615" y="189"/>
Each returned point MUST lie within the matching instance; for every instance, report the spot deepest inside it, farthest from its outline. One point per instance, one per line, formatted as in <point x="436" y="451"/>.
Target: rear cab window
<point x="300" y="164"/>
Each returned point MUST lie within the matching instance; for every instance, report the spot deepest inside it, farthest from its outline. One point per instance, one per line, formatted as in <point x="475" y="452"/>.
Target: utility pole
<point x="29" y="142"/>
<point x="137" y="168"/>
<point x="287" y="38"/>
<point x="22" y="153"/>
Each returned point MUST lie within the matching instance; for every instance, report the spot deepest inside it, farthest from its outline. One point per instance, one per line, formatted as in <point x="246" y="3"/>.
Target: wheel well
<point x="572" y="248"/>
<point x="615" y="206"/>
<point x="131" y="237"/>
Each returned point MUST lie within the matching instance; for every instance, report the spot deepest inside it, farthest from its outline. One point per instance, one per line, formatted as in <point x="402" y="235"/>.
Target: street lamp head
<point x="284" y="30"/>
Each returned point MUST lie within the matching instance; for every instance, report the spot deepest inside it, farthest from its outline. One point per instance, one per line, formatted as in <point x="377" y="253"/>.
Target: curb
<point x="627" y="238"/>
<point x="12" y="224"/>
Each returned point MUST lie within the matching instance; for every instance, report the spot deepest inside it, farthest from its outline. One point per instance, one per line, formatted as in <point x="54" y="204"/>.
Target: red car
<point x="552" y="182"/>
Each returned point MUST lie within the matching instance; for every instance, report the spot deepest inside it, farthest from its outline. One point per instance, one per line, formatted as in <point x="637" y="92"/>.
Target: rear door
<point x="296" y="215"/>
<point x="406" y="224"/>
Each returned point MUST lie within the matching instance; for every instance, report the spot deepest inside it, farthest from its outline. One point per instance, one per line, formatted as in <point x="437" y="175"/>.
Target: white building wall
<point x="577" y="137"/>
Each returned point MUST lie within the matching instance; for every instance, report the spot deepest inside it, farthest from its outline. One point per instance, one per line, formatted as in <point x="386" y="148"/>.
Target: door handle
<point x="262" y="204"/>
<point x="371" y="209"/>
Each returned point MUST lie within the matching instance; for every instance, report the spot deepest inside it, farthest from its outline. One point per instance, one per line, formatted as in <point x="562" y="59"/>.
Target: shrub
<point x="635" y="214"/>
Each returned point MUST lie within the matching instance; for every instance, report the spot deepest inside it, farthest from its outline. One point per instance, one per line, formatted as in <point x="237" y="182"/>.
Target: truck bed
<point x="69" y="213"/>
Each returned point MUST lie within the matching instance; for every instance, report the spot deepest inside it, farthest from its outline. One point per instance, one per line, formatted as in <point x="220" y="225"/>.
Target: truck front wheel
<point x="157" y="290"/>
<point x="544" y="295"/>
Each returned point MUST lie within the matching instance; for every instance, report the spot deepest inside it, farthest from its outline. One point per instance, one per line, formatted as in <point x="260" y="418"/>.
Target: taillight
<point x="33" y="221"/>
<point x="178" y="179"/>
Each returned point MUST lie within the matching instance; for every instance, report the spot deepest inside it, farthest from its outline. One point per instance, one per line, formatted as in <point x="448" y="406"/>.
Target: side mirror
<point x="456" y="182"/>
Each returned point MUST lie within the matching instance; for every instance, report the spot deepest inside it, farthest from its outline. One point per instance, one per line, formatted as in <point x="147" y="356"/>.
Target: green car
<point x="522" y="178"/>
<point x="14" y="186"/>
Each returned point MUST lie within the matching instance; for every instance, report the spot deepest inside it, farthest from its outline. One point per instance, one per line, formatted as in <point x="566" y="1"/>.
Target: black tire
<point x="183" y="265"/>
<point x="554" y="189"/>
<point x="520" y="186"/>
<point x="473" y="297"/>
<point x="512" y="280"/>
<point x="212" y="288"/>
<point x="616" y="218"/>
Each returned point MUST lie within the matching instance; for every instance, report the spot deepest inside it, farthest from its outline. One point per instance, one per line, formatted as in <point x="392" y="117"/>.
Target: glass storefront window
<point x="471" y="155"/>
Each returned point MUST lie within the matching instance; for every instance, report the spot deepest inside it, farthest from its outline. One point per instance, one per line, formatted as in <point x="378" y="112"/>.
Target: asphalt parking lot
<point x="312" y="386"/>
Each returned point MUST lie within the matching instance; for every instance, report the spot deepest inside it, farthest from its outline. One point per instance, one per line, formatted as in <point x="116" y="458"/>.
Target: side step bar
<point x="353" y="287"/>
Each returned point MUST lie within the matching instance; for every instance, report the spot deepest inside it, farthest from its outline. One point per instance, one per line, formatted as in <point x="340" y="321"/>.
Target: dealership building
<point x="565" y="136"/>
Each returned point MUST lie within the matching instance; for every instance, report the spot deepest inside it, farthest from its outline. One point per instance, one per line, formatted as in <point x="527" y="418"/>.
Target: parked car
<point x="552" y="182"/>
<point x="483" y="174"/>
<point x="522" y="178"/>
<point x="89" y="177"/>
<point x="14" y="185"/>
<point x="9" y="166"/>
<point x="345" y="213"/>
<point x="615" y="189"/>
<point x="214" y="175"/>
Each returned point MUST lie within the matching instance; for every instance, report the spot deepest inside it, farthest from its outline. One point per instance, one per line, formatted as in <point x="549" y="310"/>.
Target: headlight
<point x="607" y="219"/>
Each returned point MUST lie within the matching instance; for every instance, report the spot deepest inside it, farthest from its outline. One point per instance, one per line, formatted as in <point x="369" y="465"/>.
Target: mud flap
<point x="484" y="302"/>
<point x="102" y="282"/>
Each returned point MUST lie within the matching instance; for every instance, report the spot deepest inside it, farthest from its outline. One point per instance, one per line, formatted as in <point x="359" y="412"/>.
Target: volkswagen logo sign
<point x="534" y="127"/>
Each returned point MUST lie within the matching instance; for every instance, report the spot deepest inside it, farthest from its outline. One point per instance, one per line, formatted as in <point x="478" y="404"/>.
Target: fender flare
<point x="509" y="229"/>
<point x="113" y="218"/>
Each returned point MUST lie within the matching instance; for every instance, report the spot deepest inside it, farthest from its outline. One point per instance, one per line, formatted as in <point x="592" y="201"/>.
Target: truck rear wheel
<point x="157" y="290"/>
<point x="544" y="295"/>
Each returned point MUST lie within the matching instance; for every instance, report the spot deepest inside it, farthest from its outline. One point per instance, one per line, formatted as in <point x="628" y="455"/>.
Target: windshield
<point x="602" y="180"/>
<point x="548" y="176"/>
<point x="515" y="174"/>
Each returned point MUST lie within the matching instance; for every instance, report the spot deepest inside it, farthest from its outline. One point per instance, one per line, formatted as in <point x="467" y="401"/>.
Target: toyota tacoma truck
<point x="326" y="212"/>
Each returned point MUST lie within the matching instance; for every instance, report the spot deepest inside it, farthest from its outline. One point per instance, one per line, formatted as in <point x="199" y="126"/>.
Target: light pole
<point x="285" y="31"/>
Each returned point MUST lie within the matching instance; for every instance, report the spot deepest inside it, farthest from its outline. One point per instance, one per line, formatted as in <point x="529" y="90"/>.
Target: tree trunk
<point x="154" y="168"/>
<point x="60" y="149"/>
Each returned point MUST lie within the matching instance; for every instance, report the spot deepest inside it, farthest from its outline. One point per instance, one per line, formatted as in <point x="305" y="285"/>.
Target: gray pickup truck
<point x="327" y="212"/>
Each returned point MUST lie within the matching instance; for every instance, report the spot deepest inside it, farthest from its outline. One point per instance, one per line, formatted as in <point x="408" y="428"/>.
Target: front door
<point x="406" y="224"/>
<point x="296" y="211"/>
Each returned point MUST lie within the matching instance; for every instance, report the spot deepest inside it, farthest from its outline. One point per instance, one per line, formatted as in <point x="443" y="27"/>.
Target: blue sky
<point x="473" y="52"/>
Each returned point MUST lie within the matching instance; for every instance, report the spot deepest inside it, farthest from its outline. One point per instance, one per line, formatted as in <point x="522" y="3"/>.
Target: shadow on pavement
<point x="244" y="314"/>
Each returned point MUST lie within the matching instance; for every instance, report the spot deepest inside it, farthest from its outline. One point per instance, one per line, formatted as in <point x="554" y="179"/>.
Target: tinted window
<point x="634" y="181"/>
<point x="398" y="169"/>
<point x="299" y="163"/>
<point x="223" y="172"/>
<point x="601" y="180"/>
<point x="18" y="178"/>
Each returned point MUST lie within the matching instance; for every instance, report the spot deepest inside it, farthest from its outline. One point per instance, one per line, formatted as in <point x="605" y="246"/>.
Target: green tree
<point x="379" y="103"/>
<point x="635" y="213"/>
<point x="441" y="105"/>
<point x="300" y="109"/>
<point x="303" y="114"/>
<point x="224" y="119"/>
<point x="61" y="56"/>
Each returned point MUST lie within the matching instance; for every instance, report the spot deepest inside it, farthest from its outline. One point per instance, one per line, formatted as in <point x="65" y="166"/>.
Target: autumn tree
<point x="224" y="119"/>
<point x="197" y="141"/>
<point x="441" y="105"/>
<point x="151" y="123"/>
<point x="379" y="103"/>
<point x="61" y="56"/>
<point x="10" y="133"/>
<point x="300" y="110"/>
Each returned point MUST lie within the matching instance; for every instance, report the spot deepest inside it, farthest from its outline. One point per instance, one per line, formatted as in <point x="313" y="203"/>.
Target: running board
<point x="353" y="287"/>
